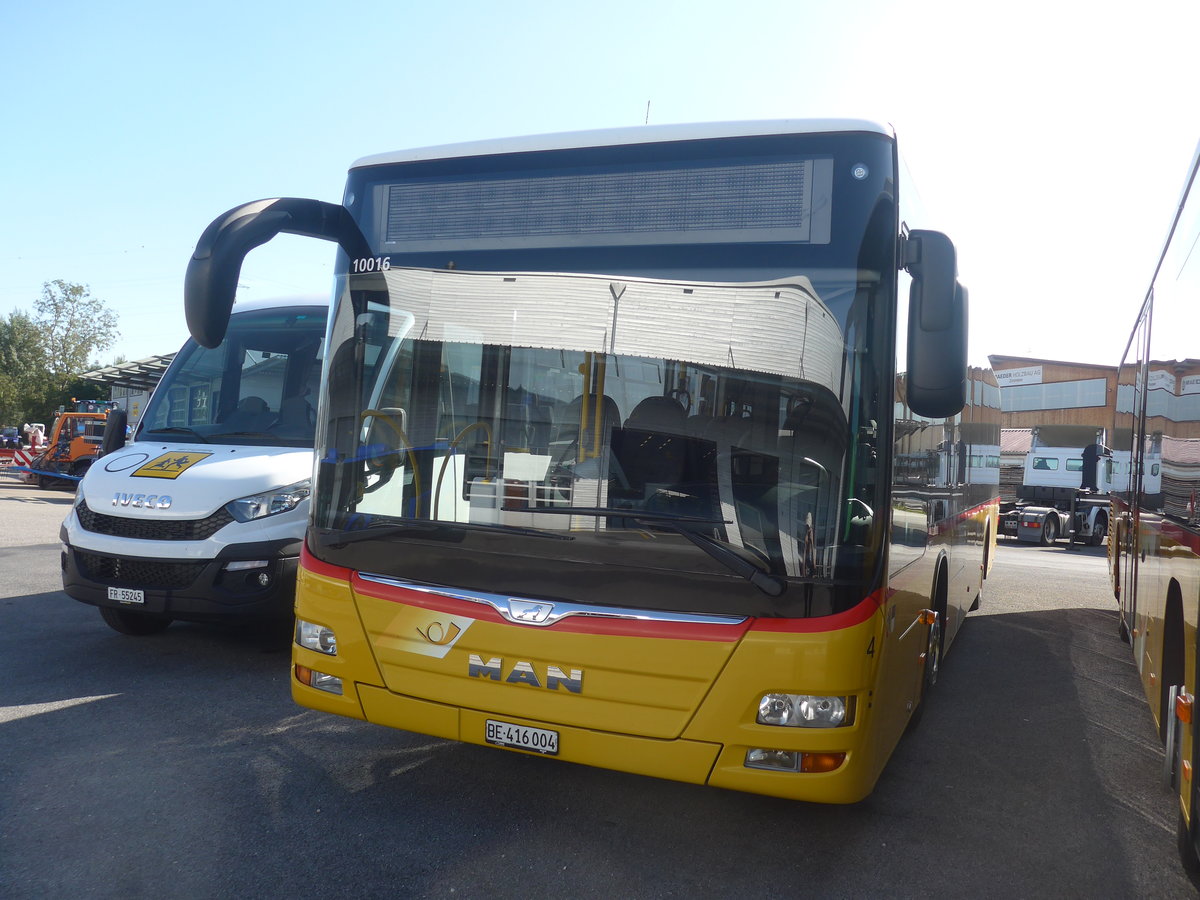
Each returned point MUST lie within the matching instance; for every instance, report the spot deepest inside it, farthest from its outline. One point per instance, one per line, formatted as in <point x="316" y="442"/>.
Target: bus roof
<point x="610" y="137"/>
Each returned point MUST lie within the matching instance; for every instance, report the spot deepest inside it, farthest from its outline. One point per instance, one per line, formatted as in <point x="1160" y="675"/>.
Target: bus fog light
<point x="802" y="711"/>
<point x="778" y="760"/>
<point x="320" y="680"/>
<point x="316" y="637"/>
<point x="793" y="761"/>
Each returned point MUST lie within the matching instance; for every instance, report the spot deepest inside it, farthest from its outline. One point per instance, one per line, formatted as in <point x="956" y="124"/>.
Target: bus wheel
<point x="1123" y="628"/>
<point x="929" y="672"/>
<point x="933" y="655"/>
<point x="1049" y="531"/>
<point x="133" y="623"/>
<point x="1187" y="849"/>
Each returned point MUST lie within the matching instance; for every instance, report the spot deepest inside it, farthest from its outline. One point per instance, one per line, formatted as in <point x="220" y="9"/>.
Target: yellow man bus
<point x="615" y="463"/>
<point x="1154" y="548"/>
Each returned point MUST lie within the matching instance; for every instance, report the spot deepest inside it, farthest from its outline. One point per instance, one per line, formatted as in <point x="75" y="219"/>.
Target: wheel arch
<point x="1173" y="653"/>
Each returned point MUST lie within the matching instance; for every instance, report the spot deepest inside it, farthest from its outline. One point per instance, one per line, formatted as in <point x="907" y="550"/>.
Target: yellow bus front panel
<point x="681" y="706"/>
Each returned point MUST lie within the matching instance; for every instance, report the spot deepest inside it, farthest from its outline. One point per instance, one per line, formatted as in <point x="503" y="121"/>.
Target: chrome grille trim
<point x="544" y="613"/>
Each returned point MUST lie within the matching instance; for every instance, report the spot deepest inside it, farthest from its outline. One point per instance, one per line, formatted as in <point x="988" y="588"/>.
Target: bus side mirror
<point x="114" y="432"/>
<point x="937" y="327"/>
<point x="212" y="273"/>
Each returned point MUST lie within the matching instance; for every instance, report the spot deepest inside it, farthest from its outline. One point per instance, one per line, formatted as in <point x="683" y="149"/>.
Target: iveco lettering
<point x="653" y="449"/>
<point x="141" y="501"/>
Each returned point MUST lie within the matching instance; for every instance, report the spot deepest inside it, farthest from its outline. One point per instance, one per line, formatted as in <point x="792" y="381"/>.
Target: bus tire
<point x="1187" y="848"/>
<point x="935" y="646"/>
<point x="933" y="656"/>
<point x="133" y="623"/>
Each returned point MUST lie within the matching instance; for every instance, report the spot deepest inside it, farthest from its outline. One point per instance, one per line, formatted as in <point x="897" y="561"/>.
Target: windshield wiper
<point x="243" y="434"/>
<point x="613" y="512"/>
<point x="722" y="552"/>
<point x="377" y="530"/>
<point x="179" y="429"/>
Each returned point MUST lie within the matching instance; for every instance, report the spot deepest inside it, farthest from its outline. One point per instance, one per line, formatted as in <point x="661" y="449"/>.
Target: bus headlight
<point x="316" y="637"/>
<point x="803" y="711"/>
<point x="269" y="503"/>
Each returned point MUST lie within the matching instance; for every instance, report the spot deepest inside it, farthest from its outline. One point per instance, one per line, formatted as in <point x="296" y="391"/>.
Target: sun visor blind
<point x="777" y="327"/>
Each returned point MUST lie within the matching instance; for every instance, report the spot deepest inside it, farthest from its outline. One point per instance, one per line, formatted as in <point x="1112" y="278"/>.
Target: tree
<point x="22" y="370"/>
<point x="43" y="355"/>
<point x="73" y="326"/>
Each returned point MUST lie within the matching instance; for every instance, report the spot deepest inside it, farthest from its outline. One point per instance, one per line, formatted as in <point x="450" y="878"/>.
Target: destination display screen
<point x="734" y="201"/>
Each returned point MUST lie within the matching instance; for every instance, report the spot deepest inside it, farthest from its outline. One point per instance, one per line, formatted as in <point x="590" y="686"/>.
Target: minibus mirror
<point x="114" y="432"/>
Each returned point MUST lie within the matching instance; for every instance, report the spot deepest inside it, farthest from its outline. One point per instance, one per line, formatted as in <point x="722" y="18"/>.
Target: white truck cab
<point x="201" y="515"/>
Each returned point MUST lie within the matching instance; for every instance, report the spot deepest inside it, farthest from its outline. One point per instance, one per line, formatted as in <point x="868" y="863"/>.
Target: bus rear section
<point x="605" y="461"/>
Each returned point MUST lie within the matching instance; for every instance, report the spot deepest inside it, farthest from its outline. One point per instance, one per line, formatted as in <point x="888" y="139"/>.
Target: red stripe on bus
<point x="856" y="615"/>
<point x="968" y="514"/>
<point x="584" y="624"/>
<point x="318" y="567"/>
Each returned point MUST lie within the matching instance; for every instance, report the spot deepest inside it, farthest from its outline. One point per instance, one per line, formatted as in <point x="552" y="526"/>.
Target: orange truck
<point x="73" y="444"/>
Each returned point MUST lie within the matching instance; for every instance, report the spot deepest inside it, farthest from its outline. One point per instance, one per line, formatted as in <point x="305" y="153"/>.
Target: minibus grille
<point x="149" y="529"/>
<point x="143" y="573"/>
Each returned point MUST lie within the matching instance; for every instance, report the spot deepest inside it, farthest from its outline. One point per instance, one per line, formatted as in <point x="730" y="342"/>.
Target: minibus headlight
<point x="316" y="637"/>
<point x="802" y="711"/>
<point x="269" y="503"/>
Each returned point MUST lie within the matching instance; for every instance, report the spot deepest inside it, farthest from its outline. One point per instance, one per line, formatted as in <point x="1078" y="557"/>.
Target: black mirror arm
<point x="212" y="273"/>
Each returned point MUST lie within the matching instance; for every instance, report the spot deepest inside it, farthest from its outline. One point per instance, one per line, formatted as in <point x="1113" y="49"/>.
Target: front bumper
<point x="194" y="590"/>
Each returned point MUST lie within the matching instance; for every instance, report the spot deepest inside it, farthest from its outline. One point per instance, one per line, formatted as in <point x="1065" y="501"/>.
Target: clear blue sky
<point x="1050" y="139"/>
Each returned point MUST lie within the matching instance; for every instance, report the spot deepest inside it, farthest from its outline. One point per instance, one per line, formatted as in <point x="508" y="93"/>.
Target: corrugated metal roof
<point x="1015" y="440"/>
<point x="139" y="375"/>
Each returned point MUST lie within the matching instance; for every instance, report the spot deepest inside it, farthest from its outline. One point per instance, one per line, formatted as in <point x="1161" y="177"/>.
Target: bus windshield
<point x="258" y="388"/>
<point x="638" y="421"/>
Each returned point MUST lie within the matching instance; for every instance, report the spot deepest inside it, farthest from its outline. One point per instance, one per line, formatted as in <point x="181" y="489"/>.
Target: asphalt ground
<point x="176" y="766"/>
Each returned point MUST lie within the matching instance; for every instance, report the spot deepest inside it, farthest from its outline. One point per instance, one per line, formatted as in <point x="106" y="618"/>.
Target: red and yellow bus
<point x="615" y="463"/>
<point x="1154" y="550"/>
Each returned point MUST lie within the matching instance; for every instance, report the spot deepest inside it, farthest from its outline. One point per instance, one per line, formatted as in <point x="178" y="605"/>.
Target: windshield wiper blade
<point x="379" y="530"/>
<point x="769" y="584"/>
<point x="179" y="429"/>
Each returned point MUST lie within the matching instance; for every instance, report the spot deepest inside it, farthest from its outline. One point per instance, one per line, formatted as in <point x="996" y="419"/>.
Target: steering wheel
<point x="385" y="463"/>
